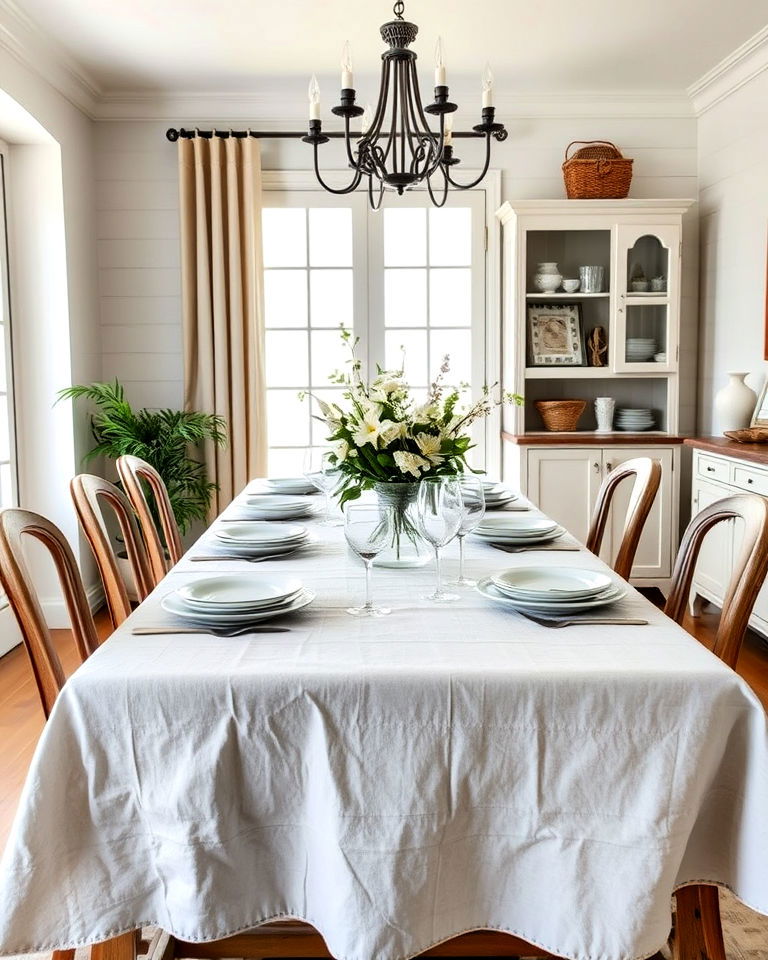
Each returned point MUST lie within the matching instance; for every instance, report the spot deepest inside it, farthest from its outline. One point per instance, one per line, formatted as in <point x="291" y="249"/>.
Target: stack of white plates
<point x="640" y="349"/>
<point x="287" y="485"/>
<point x="497" y="495"/>
<point x="277" y="507"/>
<point x="259" y="539"/>
<point x="634" y="419"/>
<point x="232" y="600"/>
<point x="517" y="529"/>
<point x="551" y="590"/>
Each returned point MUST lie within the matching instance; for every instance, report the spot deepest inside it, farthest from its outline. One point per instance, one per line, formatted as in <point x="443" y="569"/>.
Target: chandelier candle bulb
<point x="347" y="78"/>
<point x="440" y="80"/>
<point x="314" y="99"/>
<point x="487" y="87"/>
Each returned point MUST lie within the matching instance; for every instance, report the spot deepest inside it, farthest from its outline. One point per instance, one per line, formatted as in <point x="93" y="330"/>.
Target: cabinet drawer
<point x="712" y="468"/>
<point x="752" y="480"/>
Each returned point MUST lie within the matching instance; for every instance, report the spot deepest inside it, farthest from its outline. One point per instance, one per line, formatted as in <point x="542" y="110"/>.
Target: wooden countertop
<point x="755" y="452"/>
<point x="586" y="438"/>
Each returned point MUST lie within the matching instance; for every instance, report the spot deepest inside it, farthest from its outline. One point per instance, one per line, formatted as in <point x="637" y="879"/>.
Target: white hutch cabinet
<point x="562" y="472"/>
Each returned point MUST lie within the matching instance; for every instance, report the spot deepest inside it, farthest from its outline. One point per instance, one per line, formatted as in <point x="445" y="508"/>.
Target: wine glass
<point x="324" y="476"/>
<point x="440" y="513"/>
<point x="473" y="499"/>
<point x="367" y="531"/>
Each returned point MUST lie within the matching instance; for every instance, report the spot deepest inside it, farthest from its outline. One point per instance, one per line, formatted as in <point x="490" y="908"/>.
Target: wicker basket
<point x="560" y="416"/>
<point x="596" y="172"/>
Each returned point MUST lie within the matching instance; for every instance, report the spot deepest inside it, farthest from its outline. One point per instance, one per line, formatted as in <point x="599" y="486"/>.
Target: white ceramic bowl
<point x="571" y="286"/>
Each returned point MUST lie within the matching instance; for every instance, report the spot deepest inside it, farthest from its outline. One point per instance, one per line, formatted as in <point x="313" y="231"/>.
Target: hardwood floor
<point x="21" y="717"/>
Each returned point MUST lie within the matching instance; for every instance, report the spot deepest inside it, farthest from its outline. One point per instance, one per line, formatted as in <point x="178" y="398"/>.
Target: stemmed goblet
<point x="324" y="476"/>
<point x="367" y="531"/>
<point x="440" y="513"/>
<point x="473" y="500"/>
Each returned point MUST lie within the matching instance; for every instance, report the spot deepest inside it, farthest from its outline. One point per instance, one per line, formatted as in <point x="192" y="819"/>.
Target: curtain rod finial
<point x="172" y="134"/>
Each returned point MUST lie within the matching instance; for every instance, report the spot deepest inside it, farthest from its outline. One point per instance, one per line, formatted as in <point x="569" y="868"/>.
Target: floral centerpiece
<point x="385" y="440"/>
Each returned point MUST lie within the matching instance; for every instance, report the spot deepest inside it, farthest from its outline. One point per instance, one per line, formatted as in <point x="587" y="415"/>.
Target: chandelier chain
<point x="398" y="9"/>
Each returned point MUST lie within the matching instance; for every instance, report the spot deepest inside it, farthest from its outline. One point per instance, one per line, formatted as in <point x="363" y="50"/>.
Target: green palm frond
<point x="164" y="438"/>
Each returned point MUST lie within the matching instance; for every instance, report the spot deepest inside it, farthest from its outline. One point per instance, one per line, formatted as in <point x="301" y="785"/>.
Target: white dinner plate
<point x="512" y="541"/>
<point x="240" y="588"/>
<point x="290" y="485"/>
<point x="174" y="604"/>
<point x="612" y="595"/>
<point x="260" y="533"/>
<point x="277" y="501"/>
<point x="551" y="583"/>
<point x="226" y="548"/>
<point x="516" y="524"/>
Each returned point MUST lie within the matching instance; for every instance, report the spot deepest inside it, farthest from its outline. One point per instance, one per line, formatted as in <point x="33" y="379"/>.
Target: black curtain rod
<point x="173" y="134"/>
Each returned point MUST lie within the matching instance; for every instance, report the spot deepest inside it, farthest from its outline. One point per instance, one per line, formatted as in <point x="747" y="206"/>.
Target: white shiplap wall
<point x="137" y="224"/>
<point x="733" y="201"/>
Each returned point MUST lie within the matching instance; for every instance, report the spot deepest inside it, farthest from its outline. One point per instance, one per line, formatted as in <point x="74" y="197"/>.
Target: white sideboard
<point x="720" y="469"/>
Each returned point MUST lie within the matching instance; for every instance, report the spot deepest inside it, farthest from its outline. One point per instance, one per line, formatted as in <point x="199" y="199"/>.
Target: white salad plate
<point x="179" y="607"/>
<point x="241" y="590"/>
<point x="517" y="526"/>
<point x="278" y="502"/>
<point x="551" y="583"/>
<point x="260" y="533"/>
<point x="511" y="540"/>
<point x="614" y="593"/>
<point x="298" y="485"/>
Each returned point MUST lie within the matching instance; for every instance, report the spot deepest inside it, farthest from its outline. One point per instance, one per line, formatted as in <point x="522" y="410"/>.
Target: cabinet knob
<point x="609" y="466"/>
<point x="596" y="466"/>
<point x="750" y="480"/>
<point x="712" y="470"/>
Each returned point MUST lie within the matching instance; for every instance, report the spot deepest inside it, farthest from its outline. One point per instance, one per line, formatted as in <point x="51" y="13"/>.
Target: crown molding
<point x="279" y="110"/>
<point x="24" y="40"/>
<point x="726" y="77"/>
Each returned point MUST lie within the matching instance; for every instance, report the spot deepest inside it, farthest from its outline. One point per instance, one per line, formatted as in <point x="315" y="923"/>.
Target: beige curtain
<point x="223" y="302"/>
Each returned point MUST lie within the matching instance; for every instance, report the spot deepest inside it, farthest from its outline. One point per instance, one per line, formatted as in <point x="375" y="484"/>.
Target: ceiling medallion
<point x="396" y="149"/>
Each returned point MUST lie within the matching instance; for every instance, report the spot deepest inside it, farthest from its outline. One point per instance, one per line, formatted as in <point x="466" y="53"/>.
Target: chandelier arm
<point x="371" y="201"/>
<point x="381" y="105"/>
<point x="348" y="144"/>
<point x="414" y="139"/>
<point x="423" y="117"/>
<point x="439" y="152"/>
<point x="469" y="186"/>
<point x="355" y="182"/>
<point x="441" y="203"/>
<point x="393" y="125"/>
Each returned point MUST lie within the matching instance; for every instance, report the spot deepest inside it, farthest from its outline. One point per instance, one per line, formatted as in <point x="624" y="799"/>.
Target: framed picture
<point x="554" y="335"/>
<point x="760" y="416"/>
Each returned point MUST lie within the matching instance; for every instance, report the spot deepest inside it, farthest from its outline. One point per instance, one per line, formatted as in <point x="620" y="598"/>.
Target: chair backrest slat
<point x="647" y="477"/>
<point x="90" y="495"/>
<point x="134" y="472"/>
<point x="22" y="595"/>
<point x="748" y="574"/>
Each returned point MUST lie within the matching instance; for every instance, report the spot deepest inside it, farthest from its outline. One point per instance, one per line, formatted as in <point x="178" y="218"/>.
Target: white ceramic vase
<point x="735" y="403"/>
<point x="548" y="278"/>
<point x="604" y="407"/>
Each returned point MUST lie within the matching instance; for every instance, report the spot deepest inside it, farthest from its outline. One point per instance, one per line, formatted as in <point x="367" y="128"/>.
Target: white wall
<point x="137" y="221"/>
<point x="733" y="202"/>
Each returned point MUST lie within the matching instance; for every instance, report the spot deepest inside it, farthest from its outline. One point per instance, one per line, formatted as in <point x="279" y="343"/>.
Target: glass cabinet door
<point x="647" y="298"/>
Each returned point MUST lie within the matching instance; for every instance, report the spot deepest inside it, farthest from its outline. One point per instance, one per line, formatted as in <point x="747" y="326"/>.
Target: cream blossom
<point x="370" y="429"/>
<point x="391" y="433"/>
<point x="410" y="462"/>
<point x="341" y="450"/>
<point x="430" y="445"/>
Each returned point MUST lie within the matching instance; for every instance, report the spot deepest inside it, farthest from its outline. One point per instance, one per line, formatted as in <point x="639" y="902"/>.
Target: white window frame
<point x="289" y="182"/>
<point x="6" y="325"/>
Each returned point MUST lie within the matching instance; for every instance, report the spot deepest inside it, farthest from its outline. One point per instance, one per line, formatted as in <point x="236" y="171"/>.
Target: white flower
<point x="430" y="447"/>
<point x="370" y="428"/>
<point x="341" y="449"/>
<point x="410" y="462"/>
<point x="391" y="432"/>
<point x="427" y="411"/>
<point x="333" y="415"/>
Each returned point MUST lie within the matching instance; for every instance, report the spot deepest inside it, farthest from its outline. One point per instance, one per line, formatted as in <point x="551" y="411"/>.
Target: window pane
<point x="330" y="297"/>
<point x="287" y="359"/>
<point x="285" y="463"/>
<point x="450" y="237"/>
<point x="405" y="237"/>
<point x="287" y="418"/>
<point x="329" y="354"/>
<point x="284" y="236"/>
<point x="285" y="298"/>
<point x="330" y="237"/>
<point x="6" y="486"/>
<point x="405" y="298"/>
<point x="458" y="345"/>
<point x="415" y="364"/>
<point x="450" y="298"/>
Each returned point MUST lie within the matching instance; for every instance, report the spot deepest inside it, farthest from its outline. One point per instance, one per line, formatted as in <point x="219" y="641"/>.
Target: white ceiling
<point x="533" y="47"/>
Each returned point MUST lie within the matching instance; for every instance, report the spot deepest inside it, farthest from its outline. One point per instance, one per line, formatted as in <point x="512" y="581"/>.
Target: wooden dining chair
<point x="647" y="477"/>
<point x="16" y="580"/>
<point x="134" y="474"/>
<point x="747" y="577"/>
<point x="90" y="495"/>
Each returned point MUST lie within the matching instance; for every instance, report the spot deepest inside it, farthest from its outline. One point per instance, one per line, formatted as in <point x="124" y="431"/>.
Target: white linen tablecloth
<point x="393" y="782"/>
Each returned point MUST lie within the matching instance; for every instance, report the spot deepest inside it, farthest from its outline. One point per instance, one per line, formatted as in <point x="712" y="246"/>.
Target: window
<point x="7" y="440"/>
<point x="409" y="280"/>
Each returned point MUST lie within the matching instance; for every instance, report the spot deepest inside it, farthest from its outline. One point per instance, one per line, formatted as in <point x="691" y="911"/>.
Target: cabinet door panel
<point x="714" y="564"/>
<point x="653" y="559"/>
<point x="563" y="482"/>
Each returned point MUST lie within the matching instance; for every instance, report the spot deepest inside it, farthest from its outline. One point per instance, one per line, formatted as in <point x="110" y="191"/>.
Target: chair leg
<point x="117" y="948"/>
<point x="63" y="955"/>
<point x="698" y="930"/>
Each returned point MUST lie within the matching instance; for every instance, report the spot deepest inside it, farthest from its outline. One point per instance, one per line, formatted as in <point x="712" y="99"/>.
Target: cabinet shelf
<point x="596" y="373"/>
<point x="567" y="296"/>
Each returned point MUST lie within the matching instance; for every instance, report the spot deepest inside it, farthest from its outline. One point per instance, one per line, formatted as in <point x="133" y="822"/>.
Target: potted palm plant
<point x="164" y="438"/>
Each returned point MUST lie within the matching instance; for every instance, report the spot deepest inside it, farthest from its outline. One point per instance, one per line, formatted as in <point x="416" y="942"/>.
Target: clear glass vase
<point x="407" y="549"/>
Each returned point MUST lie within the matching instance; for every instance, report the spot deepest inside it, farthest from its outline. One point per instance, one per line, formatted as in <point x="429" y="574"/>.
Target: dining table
<point x="392" y="782"/>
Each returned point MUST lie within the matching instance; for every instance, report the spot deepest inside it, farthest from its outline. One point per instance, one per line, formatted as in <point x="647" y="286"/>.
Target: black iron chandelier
<point x="396" y="149"/>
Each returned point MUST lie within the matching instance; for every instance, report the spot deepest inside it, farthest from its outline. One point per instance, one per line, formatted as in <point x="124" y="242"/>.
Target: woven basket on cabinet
<point x="597" y="171"/>
<point x="560" y="415"/>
